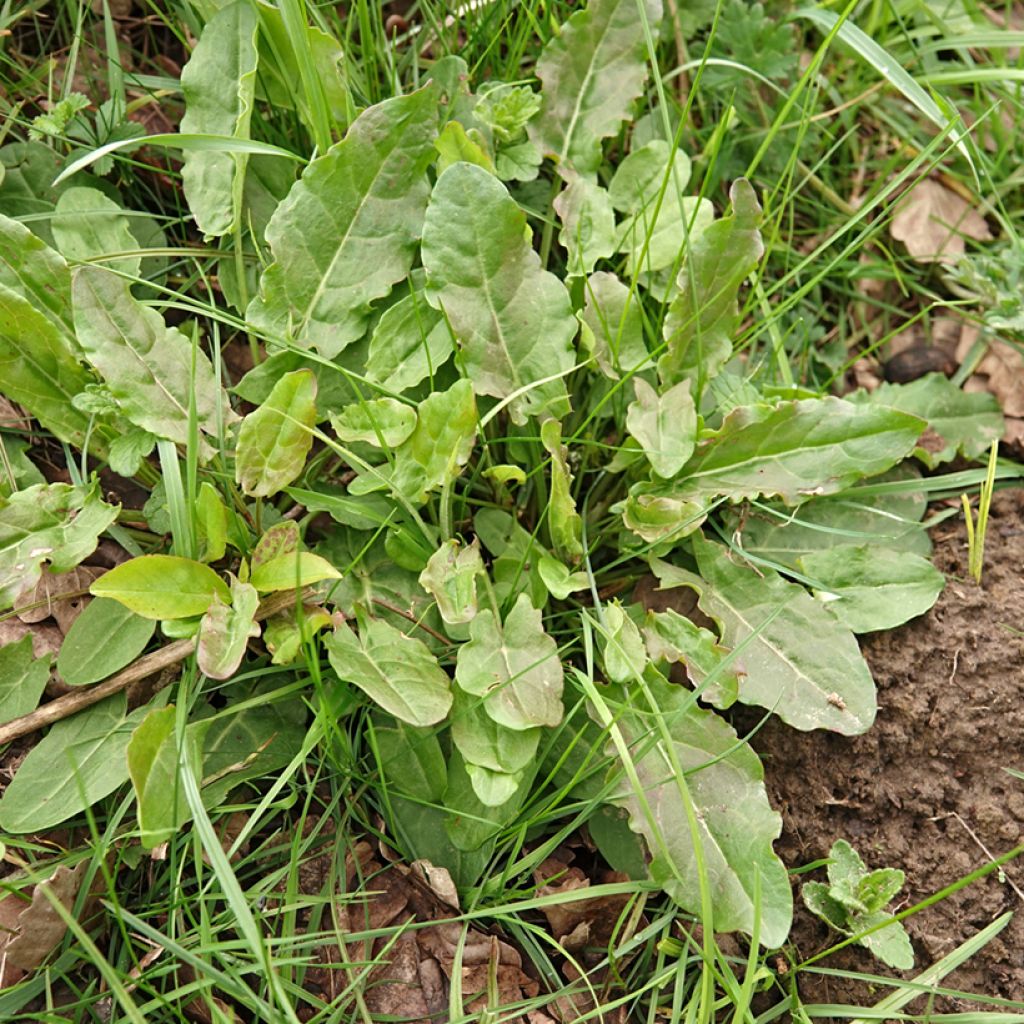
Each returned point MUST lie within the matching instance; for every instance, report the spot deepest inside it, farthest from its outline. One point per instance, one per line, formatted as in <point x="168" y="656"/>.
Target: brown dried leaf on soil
<point x="61" y="596"/>
<point x="933" y="222"/>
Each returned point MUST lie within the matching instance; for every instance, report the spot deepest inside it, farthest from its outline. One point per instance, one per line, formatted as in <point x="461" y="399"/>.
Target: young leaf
<point x="472" y="824"/>
<point x="292" y="571"/>
<point x="564" y="523"/>
<point x="212" y="522"/>
<point x="559" y="581"/>
<point x="219" y="83"/>
<point x="147" y="365"/>
<point x="735" y="822"/>
<point x="348" y="229"/>
<point x="274" y="440"/>
<point x="514" y="666"/>
<point x="625" y="656"/>
<point x="225" y="631"/>
<point x="591" y="73"/>
<point x="395" y="670"/>
<point x="382" y="422"/>
<point x="54" y="523"/>
<point x="665" y="425"/>
<point x="588" y="224"/>
<point x="450" y="578"/>
<point x="23" y="677"/>
<point x="703" y="316"/>
<point x="613" y="315"/>
<point x="455" y="144"/>
<point x="799" y="662"/>
<point x="88" y="225"/>
<point x="512" y="318"/>
<point x="162" y="586"/>
<point x="410" y="343"/>
<point x="104" y="638"/>
<point x="485" y="743"/>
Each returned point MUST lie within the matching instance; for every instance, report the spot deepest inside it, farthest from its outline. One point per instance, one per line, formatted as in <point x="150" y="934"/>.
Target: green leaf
<point x="473" y="824"/>
<point x="891" y="944"/>
<point x="39" y="370"/>
<point x="819" y="901"/>
<point x="23" y="677"/>
<point x="869" y="588"/>
<point x="226" y="630"/>
<point x="274" y="440"/>
<point x="455" y="144"/>
<point x="102" y="640"/>
<point x="367" y="194"/>
<point x="361" y="512"/>
<point x="88" y="226"/>
<point x="219" y="83"/>
<point x="292" y="571"/>
<point x="410" y="343"/>
<point x="516" y="553"/>
<point x="795" y="450"/>
<point x="559" y="581"/>
<point x="613" y="315"/>
<point x="37" y="273"/>
<point x="128" y="450"/>
<point x="588" y="224"/>
<point x="959" y="422"/>
<point x="162" y="586"/>
<point x="514" y="666"/>
<point x="591" y="73"/>
<point x="659" y="517"/>
<point x="284" y="633"/>
<point x="212" y="522"/>
<point x="639" y="178"/>
<point x="520" y="162"/>
<point x="79" y="761"/>
<point x="450" y="578"/>
<point x="147" y="365"/>
<point x="878" y="888"/>
<point x="564" y="523"/>
<point x="395" y="670"/>
<point x="280" y="539"/>
<point x="486" y="744"/>
<point x="798" y="661"/>
<point x="625" y="656"/>
<point x="55" y="523"/>
<point x="735" y="823"/>
<point x="411" y="760"/>
<point x="665" y="425"/>
<point x="382" y="422"/>
<point x="513" y="319"/>
<point x="703" y="317"/>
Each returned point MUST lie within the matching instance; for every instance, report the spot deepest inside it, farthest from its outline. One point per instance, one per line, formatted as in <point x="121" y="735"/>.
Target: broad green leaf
<point x="292" y="571"/>
<point x="795" y="450"/>
<point x="27" y="188"/>
<point x="274" y="440"/>
<point x="162" y="586"/>
<point x="613" y="315"/>
<point x="622" y="646"/>
<point x="219" y="83"/>
<point x="103" y="639"/>
<point x="513" y="319"/>
<point x="39" y="370"/>
<point x="128" y="449"/>
<point x="455" y="144"/>
<point x="564" y="523"/>
<point x="411" y="759"/>
<point x="591" y="72"/>
<point x="514" y="666"/>
<point x="410" y="343"/>
<point x="703" y="316"/>
<point x="31" y="269"/>
<point x="890" y="944"/>
<point x="79" y="761"/>
<point x="871" y="588"/>
<point x="639" y="178"/>
<point x="152" y="756"/>
<point x="493" y="788"/>
<point x="280" y="539"/>
<point x="450" y="578"/>
<point x="88" y="226"/>
<point x="382" y="422"/>
<point x="361" y="512"/>
<point x="516" y="553"/>
<point x="23" y="677"/>
<point x="959" y="422"/>
<point x="393" y="669"/>
<point x="819" y="901"/>
<point x="348" y="229"/>
<point x="588" y="224"/>
<point x="558" y="579"/>
<point x="212" y="522"/>
<point x="471" y="823"/>
<point x="520" y="162"/>
<point x="333" y="390"/>
<point x="55" y="523"/>
<point x="665" y="425"/>
<point x="225" y="631"/>
<point x="485" y="743"/>
<point x="147" y="365"/>
<point x="735" y="823"/>
<point x="878" y="888"/>
<point x="798" y="661"/>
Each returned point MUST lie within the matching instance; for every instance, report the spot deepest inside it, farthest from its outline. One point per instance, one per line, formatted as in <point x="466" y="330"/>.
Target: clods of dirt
<point x="926" y="789"/>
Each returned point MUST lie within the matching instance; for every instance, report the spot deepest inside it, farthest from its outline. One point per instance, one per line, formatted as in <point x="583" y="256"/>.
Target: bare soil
<point x="925" y="790"/>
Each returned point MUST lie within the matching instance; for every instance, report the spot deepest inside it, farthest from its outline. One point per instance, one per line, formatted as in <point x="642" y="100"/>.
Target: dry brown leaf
<point x="932" y="221"/>
<point x="38" y="927"/>
<point x="49" y="597"/>
<point x="1000" y="372"/>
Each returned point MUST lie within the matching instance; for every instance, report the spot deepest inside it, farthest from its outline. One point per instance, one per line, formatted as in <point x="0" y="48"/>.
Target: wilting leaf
<point x="23" y="678"/>
<point x="735" y="823"/>
<point x="513" y="319"/>
<point x="104" y="638"/>
<point x="284" y="634"/>
<point x="225" y="631"/>
<point x="514" y="666"/>
<point x="591" y="73"/>
<point x="275" y="439"/>
<point x="382" y="422"/>
<point x="395" y="670"/>
<point x="219" y="84"/>
<point x="703" y="316"/>
<point x="54" y="523"/>
<point x="612" y="314"/>
<point x="665" y="425"/>
<point x="564" y="523"/>
<point x="450" y="578"/>
<point x="869" y="588"/>
<point x="162" y="586"/>
<point x="292" y="571"/>
<point x="147" y="365"/>
<point x="799" y="662"/>
<point x="588" y="224"/>
<point x="88" y="225"/>
<point x="348" y="229"/>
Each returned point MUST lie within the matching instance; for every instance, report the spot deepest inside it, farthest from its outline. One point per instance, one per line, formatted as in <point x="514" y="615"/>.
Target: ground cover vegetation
<point x="452" y="418"/>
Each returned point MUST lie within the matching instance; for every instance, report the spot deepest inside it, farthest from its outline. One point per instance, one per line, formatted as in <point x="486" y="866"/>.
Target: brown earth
<point x="925" y="790"/>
